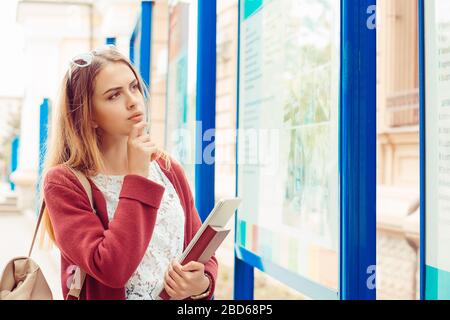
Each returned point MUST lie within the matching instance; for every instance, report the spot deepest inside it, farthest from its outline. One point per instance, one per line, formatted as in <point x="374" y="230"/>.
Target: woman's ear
<point x="94" y="124"/>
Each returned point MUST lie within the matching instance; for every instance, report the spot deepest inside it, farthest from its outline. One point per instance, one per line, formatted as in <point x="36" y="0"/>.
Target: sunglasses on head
<point x="83" y="60"/>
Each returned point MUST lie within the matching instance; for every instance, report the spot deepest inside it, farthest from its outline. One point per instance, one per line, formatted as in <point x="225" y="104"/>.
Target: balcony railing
<point x="402" y="109"/>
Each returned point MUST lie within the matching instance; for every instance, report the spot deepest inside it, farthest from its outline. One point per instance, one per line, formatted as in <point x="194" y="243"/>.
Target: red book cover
<point x="203" y="249"/>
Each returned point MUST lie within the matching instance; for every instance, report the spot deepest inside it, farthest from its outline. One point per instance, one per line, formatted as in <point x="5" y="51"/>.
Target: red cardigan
<point x="110" y="252"/>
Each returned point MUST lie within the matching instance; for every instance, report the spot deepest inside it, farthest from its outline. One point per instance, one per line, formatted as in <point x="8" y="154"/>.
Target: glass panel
<point x="288" y="135"/>
<point x="398" y="235"/>
<point x="437" y="137"/>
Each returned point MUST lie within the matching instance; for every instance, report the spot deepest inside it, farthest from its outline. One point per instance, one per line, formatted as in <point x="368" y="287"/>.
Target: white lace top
<point x="167" y="239"/>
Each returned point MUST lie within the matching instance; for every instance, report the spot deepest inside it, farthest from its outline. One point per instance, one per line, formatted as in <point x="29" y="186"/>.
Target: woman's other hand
<point x="185" y="281"/>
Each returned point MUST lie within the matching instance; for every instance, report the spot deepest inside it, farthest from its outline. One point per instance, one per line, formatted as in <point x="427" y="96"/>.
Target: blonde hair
<point x="73" y="142"/>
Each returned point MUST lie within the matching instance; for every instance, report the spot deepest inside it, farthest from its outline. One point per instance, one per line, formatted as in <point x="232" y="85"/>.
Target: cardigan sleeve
<point x="211" y="267"/>
<point x="110" y="256"/>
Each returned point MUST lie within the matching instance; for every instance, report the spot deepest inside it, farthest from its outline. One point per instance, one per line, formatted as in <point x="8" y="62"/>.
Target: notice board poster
<point x="437" y="148"/>
<point x="288" y="178"/>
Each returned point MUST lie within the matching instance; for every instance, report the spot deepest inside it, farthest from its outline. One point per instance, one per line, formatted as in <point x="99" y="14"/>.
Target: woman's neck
<point x="114" y="153"/>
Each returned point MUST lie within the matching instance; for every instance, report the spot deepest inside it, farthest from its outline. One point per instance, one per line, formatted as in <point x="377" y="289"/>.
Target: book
<point x="209" y="236"/>
<point x="206" y="245"/>
<point x="202" y="249"/>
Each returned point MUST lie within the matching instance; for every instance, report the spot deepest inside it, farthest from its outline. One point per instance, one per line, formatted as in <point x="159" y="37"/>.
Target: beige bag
<point x="22" y="278"/>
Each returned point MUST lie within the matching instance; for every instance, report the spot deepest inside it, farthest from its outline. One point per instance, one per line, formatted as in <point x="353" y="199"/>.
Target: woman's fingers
<point x="170" y="281"/>
<point x="150" y="150"/>
<point x="176" y="283"/>
<point x="179" y="269"/>
<point x="137" y="130"/>
<point x="148" y="144"/>
<point x="169" y="290"/>
<point x="193" y="266"/>
<point x="143" y="138"/>
<point x="176" y="275"/>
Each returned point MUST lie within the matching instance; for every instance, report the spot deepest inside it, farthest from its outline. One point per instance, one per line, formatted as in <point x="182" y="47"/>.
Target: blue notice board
<point x="305" y="151"/>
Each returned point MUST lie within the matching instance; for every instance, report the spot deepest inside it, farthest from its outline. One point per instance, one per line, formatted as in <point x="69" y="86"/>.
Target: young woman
<point x="144" y="214"/>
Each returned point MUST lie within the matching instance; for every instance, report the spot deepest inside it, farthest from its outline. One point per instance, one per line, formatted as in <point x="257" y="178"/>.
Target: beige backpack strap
<point x="87" y="187"/>
<point x="80" y="275"/>
<point x="41" y="212"/>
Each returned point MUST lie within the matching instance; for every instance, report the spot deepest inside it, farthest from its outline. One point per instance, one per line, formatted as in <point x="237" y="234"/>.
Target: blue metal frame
<point x="111" y="40"/>
<point x="243" y="288"/>
<point x="44" y="110"/>
<point x="421" y="9"/>
<point x="357" y="150"/>
<point x="205" y="104"/>
<point x="143" y="30"/>
<point x="146" y="39"/>
<point x="14" y="159"/>
<point x="142" y="33"/>
<point x="133" y="39"/>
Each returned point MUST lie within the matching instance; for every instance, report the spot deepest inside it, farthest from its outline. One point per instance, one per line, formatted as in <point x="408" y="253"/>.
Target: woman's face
<point x="118" y="103"/>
